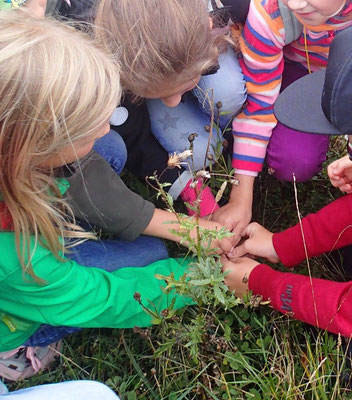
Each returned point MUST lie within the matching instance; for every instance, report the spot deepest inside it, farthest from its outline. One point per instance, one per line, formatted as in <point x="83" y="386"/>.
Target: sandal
<point x="24" y="362"/>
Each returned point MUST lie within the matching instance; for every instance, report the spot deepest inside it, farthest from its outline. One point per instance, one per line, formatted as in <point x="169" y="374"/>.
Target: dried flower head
<point x="235" y="182"/>
<point x="165" y="312"/>
<point x="203" y="174"/>
<point x="178" y="159"/>
<point x="137" y="296"/>
<point x="220" y="192"/>
<point x="192" y="136"/>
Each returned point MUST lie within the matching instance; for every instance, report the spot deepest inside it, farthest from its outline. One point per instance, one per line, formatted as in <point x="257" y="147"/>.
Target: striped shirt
<point x="263" y="48"/>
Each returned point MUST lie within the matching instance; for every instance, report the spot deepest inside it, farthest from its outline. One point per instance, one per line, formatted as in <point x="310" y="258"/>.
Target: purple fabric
<point x="292" y="151"/>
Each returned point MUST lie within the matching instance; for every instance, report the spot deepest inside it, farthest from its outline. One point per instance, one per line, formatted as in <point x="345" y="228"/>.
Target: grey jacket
<point x="99" y="197"/>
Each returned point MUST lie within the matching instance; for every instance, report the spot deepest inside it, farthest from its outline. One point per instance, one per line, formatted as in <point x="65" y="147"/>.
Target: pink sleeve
<point x="262" y="64"/>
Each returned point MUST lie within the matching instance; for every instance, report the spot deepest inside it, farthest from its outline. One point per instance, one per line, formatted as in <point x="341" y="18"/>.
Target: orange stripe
<point x="257" y="89"/>
<point x="260" y="118"/>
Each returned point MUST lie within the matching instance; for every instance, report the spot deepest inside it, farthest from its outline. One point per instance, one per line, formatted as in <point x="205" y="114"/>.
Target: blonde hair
<point x="158" y="41"/>
<point x="56" y="87"/>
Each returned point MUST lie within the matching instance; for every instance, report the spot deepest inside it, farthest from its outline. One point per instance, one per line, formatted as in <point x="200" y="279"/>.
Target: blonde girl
<point x="169" y="52"/>
<point x="58" y="90"/>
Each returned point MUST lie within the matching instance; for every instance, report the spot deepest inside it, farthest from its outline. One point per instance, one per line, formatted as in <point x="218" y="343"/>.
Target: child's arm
<point x="162" y="221"/>
<point x="340" y="174"/>
<point x="319" y="302"/>
<point x="75" y="295"/>
<point x="98" y="196"/>
<point x="328" y="229"/>
<point x="237" y="213"/>
<point x="262" y="64"/>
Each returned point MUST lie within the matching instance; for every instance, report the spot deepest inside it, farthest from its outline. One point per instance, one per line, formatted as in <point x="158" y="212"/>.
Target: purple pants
<point x="292" y="151"/>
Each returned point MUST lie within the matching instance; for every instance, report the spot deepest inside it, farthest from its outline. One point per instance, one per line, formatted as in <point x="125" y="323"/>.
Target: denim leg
<point x="113" y="149"/>
<point x="114" y="254"/>
<point x="47" y="334"/>
<point x="226" y="86"/>
<point x="172" y="127"/>
<point x="70" y="390"/>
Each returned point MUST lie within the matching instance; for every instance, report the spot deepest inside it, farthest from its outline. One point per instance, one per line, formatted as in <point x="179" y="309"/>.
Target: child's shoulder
<point x="269" y="10"/>
<point x="265" y="16"/>
<point x="277" y="17"/>
<point x="269" y="7"/>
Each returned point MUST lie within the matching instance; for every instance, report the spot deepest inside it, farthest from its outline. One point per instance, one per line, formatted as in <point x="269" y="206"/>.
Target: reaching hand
<point x="240" y="270"/>
<point x="223" y="245"/>
<point x="235" y="216"/>
<point x="237" y="213"/>
<point x="259" y="243"/>
<point x="340" y="174"/>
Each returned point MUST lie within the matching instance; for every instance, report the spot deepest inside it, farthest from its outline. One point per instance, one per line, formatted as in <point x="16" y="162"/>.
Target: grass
<point x="207" y="352"/>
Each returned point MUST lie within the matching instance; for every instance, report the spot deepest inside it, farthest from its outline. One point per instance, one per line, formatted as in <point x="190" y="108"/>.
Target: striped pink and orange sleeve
<point x="262" y="44"/>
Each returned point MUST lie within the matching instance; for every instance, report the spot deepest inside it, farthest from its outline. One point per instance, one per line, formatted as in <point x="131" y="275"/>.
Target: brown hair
<point x="56" y="88"/>
<point x="158" y="41"/>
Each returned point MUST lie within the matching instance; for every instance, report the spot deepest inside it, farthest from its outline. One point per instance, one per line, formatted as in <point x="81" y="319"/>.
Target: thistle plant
<point x="204" y="281"/>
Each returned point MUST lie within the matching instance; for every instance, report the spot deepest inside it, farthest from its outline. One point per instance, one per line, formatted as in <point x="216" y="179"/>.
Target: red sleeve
<point x="319" y="302"/>
<point x="327" y="230"/>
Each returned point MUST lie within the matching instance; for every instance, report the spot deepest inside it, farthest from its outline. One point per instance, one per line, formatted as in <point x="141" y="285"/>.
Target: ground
<point x="206" y="352"/>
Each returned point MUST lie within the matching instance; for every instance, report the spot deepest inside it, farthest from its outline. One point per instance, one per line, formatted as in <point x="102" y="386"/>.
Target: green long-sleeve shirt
<point x="75" y="295"/>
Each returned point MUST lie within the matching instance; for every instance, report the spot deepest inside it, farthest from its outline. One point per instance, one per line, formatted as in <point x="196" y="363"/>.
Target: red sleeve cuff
<point x="289" y="246"/>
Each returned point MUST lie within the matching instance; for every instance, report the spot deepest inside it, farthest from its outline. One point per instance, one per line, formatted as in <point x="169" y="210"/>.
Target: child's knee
<point x="294" y="152"/>
<point x="302" y="168"/>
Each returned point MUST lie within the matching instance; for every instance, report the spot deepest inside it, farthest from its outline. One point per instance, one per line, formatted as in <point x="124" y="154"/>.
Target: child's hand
<point x="259" y="243"/>
<point x="237" y="213"/>
<point x="224" y="245"/>
<point x="340" y="174"/>
<point x="238" y="277"/>
<point x="235" y="217"/>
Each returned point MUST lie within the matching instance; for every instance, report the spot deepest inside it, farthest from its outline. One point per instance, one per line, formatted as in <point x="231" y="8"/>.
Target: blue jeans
<point x="113" y="149"/>
<point x="172" y="126"/>
<point x="109" y="255"/>
<point x="71" y="390"/>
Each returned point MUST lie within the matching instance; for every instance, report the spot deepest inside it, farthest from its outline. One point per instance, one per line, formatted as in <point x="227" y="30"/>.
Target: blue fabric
<point x="48" y="334"/>
<point x="172" y="126"/>
<point x="113" y="149"/>
<point x="114" y="254"/>
<point x="70" y="390"/>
